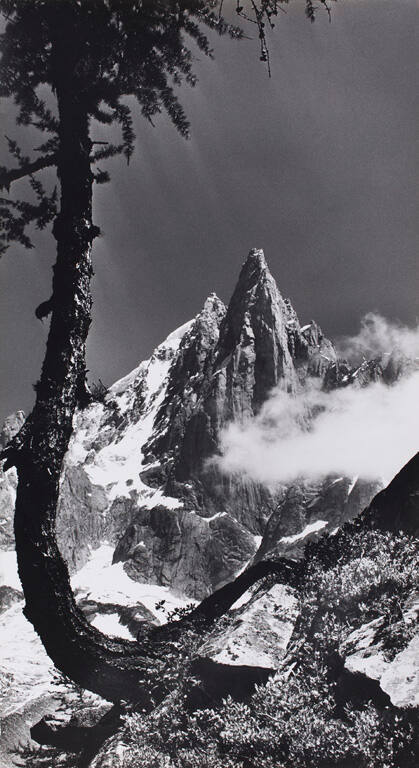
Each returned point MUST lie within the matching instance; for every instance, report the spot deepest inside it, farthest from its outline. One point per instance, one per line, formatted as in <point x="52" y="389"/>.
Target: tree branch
<point x="8" y="177"/>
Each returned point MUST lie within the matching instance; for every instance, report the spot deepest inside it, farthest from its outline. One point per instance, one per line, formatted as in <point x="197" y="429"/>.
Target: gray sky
<point x="317" y="165"/>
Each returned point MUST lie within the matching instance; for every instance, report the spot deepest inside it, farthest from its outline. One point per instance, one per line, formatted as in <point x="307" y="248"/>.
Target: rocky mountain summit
<point x="140" y="474"/>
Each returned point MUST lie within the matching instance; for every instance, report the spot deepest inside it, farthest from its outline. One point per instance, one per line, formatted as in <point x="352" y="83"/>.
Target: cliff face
<point x="139" y="473"/>
<point x="255" y="345"/>
<point x="180" y="549"/>
<point x="232" y="358"/>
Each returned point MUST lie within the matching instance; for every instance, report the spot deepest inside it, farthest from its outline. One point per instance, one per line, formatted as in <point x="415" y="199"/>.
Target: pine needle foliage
<point x="119" y="49"/>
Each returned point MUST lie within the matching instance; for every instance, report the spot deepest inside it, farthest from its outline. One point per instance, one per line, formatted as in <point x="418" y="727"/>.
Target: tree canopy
<point x="100" y="53"/>
<point x="105" y="51"/>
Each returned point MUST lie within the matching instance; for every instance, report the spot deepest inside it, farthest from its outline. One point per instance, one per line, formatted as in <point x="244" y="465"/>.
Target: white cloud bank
<point x="371" y="431"/>
<point x="378" y="336"/>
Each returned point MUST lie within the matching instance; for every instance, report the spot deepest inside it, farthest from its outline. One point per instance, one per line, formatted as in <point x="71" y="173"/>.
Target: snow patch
<point x="106" y="583"/>
<point x="311" y="528"/>
<point x="338" y="480"/>
<point x="110" y="625"/>
<point x="173" y="340"/>
<point x="214" y="517"/>
<point x="8" y="570"/>
<point x="120" y="460"/>
<point x="117" y="465"/>
<point x="25" y="668"/>
<point x="353" y="484"/>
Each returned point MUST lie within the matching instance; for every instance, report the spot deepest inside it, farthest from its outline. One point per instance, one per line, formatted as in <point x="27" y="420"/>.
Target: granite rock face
<point x="250" y="358"/>
<point x="11" y="427"/>
<point x="396" y="507"/>
<point x="80" y="522"/>
<point x="308" y="509"/>
<point x="233" y="363"/>
<point x="8" y="597"/>
<point x="183" y="550"/>
<point x="259" y="631"/>
<point x="190" y="381"/>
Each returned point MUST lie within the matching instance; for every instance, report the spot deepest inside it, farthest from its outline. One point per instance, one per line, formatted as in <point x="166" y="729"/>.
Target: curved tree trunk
<point x="114" y="669"/>
<point x="89" y="658"/>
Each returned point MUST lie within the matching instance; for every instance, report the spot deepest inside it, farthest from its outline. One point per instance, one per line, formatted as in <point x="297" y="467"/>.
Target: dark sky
<point x="317" y="165"/>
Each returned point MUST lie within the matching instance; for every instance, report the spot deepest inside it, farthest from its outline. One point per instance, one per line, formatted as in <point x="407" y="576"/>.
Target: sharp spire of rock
<point x="254" y="333"/>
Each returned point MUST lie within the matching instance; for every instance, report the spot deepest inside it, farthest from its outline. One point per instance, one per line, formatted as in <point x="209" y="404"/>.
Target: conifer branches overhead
<point x="102" y="52"/>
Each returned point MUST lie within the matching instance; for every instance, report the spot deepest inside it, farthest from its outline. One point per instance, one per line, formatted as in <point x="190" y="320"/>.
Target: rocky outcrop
<point x="248" y="648"/>
<point x="8" y="597"/>
<point x="10" y="427"/>
<point x="396" y="508"/>
<point x="183" y="550"/>
<point x="80" y="520"/>
<point x="313" y="354"/>
<point x="387" y="368"/>
<point x="310" y="508"/>
<point x="398" y="365"/>
<point x="259" y="630"/>
<point x="366" y="652"/>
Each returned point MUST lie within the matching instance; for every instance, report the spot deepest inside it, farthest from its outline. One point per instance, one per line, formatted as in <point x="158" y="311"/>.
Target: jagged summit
<point x="255" y="330"/>
<point x="212" y="297"/>
<point x="255" y="260"/>
<point x="150" y="445"/>
<point x="212" y="305"/>
<point x="253" y="275"/>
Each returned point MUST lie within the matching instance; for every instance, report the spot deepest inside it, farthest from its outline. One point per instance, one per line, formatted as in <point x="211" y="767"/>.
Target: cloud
<point x="371" y="431"/>
<point x="378" y="336"/>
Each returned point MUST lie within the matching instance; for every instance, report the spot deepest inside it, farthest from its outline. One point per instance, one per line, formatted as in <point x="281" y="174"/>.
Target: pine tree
<point x="91" y="54"/>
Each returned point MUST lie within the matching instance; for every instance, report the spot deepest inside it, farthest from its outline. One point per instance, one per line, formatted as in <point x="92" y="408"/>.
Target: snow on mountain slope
<point x="105" y="582"/>
<point x="318" y="525"/>
<point x="116" y="465"/>
<point x="26" y="672"/>
<point x="103" y="464"/>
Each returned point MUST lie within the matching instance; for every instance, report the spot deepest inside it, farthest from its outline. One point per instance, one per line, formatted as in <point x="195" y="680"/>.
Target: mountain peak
<point x="255" y="257"/>
<point x="253" y="334"/>
<point x="213" y="304"/>
<point x="253" y="270"/>
<point x="256" y="298"/>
